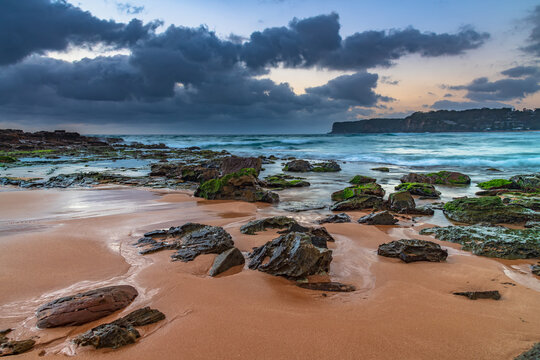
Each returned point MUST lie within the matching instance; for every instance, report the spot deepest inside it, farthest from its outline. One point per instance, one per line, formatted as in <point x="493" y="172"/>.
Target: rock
<point x="441" y="177"/>
<point x="381" y="169"/>
<point x="242" y="185"/>
<point x="492" y="192"/>
<point x="401" y="202"/>
<point x="497" y="184"/>
<point x="227" y="260"/>
<point x="422" y="210"/>
<point x="532" y="224"/>
<point x="276" y="222"/>
<point x="361" y="179"/>
<point x="20" y="140"/>
<point x="327" y="286"/>
<point x="119" y="332"/>
<point x="337" y="218"/>
<point x="487" y="209"/>
<point x="474" y="295"/>
<point x="421" y="189"/>
<point x="358" y="203"/>
<point x="234" y="164"/>
<point x="328" y="166"/>
<point x="358" y="190"/>
<point x="493" y="169"/>
<point x="298" y="166"/>
<point x="530" y="182"/>
<point x="491" y="241"/>
<point x="531" y="354"/>
<point x="380" y="218"/>
<point x="84" y="307"/>
<point x="318" y="236"/>
<point x="284" y="181"/>
<point x="7" y="159"/>
<point x="535" y="269"/>
<point x="292" y="255"/>
<point x="15" y="347"/>
<point x="299" y="206"/>
<point x="410" y="250"/>
<point x="527" y="201"/>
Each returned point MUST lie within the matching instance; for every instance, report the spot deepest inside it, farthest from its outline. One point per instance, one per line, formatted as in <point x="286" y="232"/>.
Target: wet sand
<point x="400" y="311"/>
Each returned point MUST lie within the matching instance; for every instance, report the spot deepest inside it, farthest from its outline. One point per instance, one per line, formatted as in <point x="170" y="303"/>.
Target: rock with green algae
<point x="276" y="222"/>
<point x="497" y="184"/>
<point x="491" y="241"/>
<point x="242" y="185"/>
<point x="298" y="166"/>
<point x="421" y="189"/>
<point x="358" y="190"/>
<point x="527" y="182"/>
<point x="361" y="179"/>
<point x="401" y="201"/>
<point x="489" y="209"/>
<point x="283" y="181"/>
<point x="531" y="354"/>
<point x="7" y="159"/>
<point x="358" y="203"/>
<point x="328" y="166"/>
<point x="441" y="178"/>
<point x="381" y="169"/>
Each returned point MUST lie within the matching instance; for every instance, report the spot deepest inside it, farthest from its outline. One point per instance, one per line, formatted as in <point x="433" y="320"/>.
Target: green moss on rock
<point x="361" y="179"/>
<point x="495" y="184"/>
<point x="7" y="159"/>
<point x="421" y="189"/>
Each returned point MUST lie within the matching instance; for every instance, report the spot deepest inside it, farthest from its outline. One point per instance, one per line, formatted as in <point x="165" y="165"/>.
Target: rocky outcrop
<point x="361" y="179"/>
<point x="410" y="250"/>
<point x="226" y="260"/>
<point x="358" y="203"/>
<point x="119" y="332"/>
<point x="190" y="240"/>
<point x="242" y="185"/>
<point x="13" y="347"/>
<point x="291" y="255"/>
<point x="20" y="140"/>
<point x="441" y="178"/>
<point x="489" y="209"/>
<point x="420" y="189"/>
<point x="337" y="218"/>
<point x="283" y="181"/>
<point x="328" y="166"/>
<point x="84" y="307"/>
<point x="327" y="286"/>
<point x="380" y="218"/>
<point x="181" y="171"/>
<point x="401" y="202"/>
<point x="475" y="295"/>
<point x="276" y="222"/>
<point x="298" y="166"/>
<point x="491" y="241"/>
<point x="529" y="183"/>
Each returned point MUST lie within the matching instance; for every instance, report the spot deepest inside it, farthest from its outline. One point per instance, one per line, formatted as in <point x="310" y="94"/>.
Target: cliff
<point x="476" y="120"/>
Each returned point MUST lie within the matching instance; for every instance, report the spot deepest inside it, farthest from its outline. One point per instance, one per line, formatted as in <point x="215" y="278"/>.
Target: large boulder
<point x="441" y="178"/>
<point x="358" y="203"/>
<point x="379" y="218"/>
<point x="226" y="260"/>
<point x="328" y="166"/>
<point x="491" y="241"/>
<point x="401" y="201"/>
<point x="233" y="164"/>
<point x="530" y="182"/>
<point x="291" y="255"/>
<point x="84" y="307"/>
<point x="276" y="222"/>
<point x="410" y="250"/>
<point x="242" y="185"/>
<point x="420" y="189"/>
<point x="489" y="209"/>
<point x="298" y="166"/>
<point x="358" y="190"/>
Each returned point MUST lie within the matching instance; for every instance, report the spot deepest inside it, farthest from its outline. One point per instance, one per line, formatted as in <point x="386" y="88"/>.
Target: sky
<point x="259" y="66"/>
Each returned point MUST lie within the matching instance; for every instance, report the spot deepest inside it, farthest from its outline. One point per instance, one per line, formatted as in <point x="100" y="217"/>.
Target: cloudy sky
<point x="259" y="66"/>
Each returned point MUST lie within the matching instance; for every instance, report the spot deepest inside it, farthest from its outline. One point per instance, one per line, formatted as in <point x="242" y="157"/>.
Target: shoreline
<point x="236" y="311"/>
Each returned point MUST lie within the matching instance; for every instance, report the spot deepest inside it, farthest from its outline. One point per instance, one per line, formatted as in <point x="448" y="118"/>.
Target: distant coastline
<point x="475" y="120"/>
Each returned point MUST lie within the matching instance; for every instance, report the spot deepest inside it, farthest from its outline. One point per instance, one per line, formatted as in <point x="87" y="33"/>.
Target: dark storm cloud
<point x="534" y="37"/>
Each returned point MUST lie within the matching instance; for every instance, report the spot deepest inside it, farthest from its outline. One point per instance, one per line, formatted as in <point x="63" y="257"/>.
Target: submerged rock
<point x="276" y="222"/>
<point x="337" y="218"/>
<point x="421" y="189"/>
<point x="441" y="177"/>
<point x="298" y="166"/>
<point x="226" y="260"/>
<point x="328" y="166"/>
<point x="401" y="201"/>
<point x="361" y="179"/>
<point x="489" y="209"/>
<point x="358" y="203"/>
<point x="380" y="218"/>
<point x="474" y="295"/>
<point x="491" y="241"/>
<point x="291" y="255"/>
<point x="531" y="354"/>
<point x="410" y="250"/>
<point x="84" y="307"/>
<point x="327" y="286"/>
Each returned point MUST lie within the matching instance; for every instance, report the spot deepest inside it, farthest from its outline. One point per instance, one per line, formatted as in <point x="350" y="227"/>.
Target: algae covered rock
<point x="497" y="184"/>
<point x="489" y="209"/>
<point x="291" y="255"/>
<point x="441" y="178"/>
<point x="491" y="241"/>
<point x="530" y="182"/>
<point x="358" y="203"/>
<point x="381" y="169"/>
<point x="328" y="166"/>
<point x="276" y="222"/>
<point x="410" y="250"/>
<point x="298" y="166"/>
<point x="401" y="201"/>
<point x="361" y="179"/>
<point x="284" y="181"/>
<point x="421" y="189"/>
<point x="358" y="190"/>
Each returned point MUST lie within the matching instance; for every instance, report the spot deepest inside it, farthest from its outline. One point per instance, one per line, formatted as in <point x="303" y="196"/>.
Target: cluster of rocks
<point x="11" y="140"/>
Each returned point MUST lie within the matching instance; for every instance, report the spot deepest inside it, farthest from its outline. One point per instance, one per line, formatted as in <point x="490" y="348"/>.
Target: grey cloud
<point x="534" y="37"/>
<point x="521" y="71"/>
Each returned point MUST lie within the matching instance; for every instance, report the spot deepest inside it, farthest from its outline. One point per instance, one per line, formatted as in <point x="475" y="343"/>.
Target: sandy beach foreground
<point x="55" y="243"/>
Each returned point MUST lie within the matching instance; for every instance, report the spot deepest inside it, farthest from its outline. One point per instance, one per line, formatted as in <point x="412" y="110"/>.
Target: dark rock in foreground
<point x="292" y="255"/>
<point x="410" y="250"/>
<point x="380" y="218"/>
<point x="84" y="307"/>
<point x="120" y="332"/>
<point x="276" y="222"/>
<point x="474" y="295"/>
<point x="327" y="286"/>
<point x="227" y="260"/>
<point x="491" y="241"/>
<point x="441" y="178"/>
<point x="531" y="354"/>
<point x="401" y="202"/>
<point x="337" y="218"/>
<point x="319" y="236"/>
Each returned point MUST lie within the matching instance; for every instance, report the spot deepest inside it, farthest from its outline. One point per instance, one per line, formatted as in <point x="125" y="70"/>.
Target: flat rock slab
<point x="410" y="250"/>
<point x="84" y="307"/>
<point x="474" y="295"/>
<point x="327" y="286"/>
